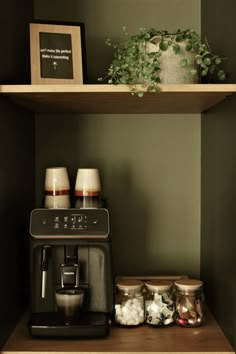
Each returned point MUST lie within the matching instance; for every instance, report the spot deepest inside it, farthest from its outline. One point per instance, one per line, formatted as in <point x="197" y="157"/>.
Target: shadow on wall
<point x="129" y="213"/>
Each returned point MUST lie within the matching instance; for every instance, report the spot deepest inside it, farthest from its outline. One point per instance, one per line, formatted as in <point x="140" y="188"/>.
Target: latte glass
<point x="69" y="302"/>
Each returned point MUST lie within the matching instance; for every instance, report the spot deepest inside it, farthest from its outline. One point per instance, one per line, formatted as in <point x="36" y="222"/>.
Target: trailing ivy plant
<point x="132" y="63"/>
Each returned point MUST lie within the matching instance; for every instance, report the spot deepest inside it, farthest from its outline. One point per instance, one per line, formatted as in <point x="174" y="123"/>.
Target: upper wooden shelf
<point x="194" y="98"/>
<point x="144" y="339"/>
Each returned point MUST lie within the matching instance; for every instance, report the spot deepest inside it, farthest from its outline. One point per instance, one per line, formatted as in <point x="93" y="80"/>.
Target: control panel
<point x="69" y="223"/>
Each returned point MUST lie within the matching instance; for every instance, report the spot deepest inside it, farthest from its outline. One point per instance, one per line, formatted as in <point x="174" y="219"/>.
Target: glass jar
<point x="129" y="303"/>
<point x="159" y="304"/>
<point x="190" y="303"/>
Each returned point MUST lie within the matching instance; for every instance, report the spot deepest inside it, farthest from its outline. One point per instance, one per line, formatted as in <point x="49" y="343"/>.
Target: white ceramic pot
<point x="171" y="71"/>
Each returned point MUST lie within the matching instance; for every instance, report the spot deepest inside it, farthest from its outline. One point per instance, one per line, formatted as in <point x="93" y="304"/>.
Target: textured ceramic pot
<point x="171" y="70"/>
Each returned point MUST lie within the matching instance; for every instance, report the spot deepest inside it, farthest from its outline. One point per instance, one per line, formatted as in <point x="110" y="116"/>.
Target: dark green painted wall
<point x="106" y="18"/>
<point x="149" y="164"/>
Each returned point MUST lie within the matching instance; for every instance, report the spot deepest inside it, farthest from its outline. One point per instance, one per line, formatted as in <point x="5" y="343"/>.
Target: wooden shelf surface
<point x="144" y="339"/>
<point x="182" y="98"/>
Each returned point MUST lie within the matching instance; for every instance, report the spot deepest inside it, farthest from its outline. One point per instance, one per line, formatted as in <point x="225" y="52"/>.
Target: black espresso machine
<point x="70" y="253"/>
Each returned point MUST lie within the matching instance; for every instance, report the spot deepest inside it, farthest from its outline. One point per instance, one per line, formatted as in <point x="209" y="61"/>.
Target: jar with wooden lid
<point x="190" y="303"/>
<point x="129" y="303"/>
<point x="159" y="303"/>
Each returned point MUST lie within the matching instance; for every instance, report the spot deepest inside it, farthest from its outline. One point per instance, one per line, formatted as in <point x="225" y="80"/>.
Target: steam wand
<point x="46" y="250"/>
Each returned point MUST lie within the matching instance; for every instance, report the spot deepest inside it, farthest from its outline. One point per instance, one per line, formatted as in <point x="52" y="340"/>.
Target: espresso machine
<point x="70" y="260"/>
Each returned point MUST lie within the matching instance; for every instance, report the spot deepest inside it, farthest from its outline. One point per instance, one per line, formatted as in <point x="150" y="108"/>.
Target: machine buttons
<point x="69" y="223"/>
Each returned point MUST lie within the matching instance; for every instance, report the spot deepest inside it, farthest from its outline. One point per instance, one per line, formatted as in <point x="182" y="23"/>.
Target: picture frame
<point x="57" y="53"/>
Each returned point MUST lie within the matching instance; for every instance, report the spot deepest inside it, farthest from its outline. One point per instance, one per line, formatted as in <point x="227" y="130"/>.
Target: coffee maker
<point x="70" y="249"/>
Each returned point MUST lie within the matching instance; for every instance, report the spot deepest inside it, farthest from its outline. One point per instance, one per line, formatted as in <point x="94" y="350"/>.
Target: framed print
<point x="56" y="54"/>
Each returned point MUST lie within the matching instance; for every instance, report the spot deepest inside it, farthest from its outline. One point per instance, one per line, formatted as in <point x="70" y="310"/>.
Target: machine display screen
<point x="71" y="223"/>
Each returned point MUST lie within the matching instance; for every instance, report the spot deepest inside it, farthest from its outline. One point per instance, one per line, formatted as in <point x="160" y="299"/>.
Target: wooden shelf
<point x="117" y="98"/>
<point x="206" y="339"/>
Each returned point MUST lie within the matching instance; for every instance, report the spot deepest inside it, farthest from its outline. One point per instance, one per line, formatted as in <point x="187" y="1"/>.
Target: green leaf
<point x="179" y="37"/>
<point x="183" y="62"/>
<point x="151" y="55"/>
<point x="157" y="80"/>
<point x="207" y="61"/>
<point x="204" y="72"/>
<point x="157" y="89"/>
<point x="198" y="59"/>
<point x="108" y="42"/>
<point x="188" y="46"/>
<point x="140" y="94"/>
<point x="163" y="46"/>
<point x="221" y="75"/>
<point x="212" y="69"/>
<point x="158" y="54"/>
<point x="150" y="88"/>
<point x="176" y="48"/>
<point x="218" y="61"/>
<point x="193" y="72"/>
<point x="147" y="36"/>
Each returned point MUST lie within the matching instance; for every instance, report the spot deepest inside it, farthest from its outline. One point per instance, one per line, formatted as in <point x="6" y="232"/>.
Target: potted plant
<point x="152" y="57"/>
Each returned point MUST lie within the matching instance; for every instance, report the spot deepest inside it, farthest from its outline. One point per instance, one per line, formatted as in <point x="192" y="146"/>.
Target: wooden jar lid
<point x="188" y="284"/>
<point x="160" y="285"/>
<point x="130" y="284"/>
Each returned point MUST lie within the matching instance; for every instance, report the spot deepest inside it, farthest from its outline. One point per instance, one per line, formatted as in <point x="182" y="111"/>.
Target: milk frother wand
<point x="46" y="250"/>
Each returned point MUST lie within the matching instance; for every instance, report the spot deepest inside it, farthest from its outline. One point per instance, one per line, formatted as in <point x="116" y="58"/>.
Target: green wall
<point x="150" y="175"/>
<point x="149" y="164"/>
<point x="106" y="18"/>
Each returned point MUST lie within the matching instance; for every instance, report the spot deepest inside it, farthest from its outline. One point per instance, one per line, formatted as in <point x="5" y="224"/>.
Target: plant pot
<point x="170" y="63"/>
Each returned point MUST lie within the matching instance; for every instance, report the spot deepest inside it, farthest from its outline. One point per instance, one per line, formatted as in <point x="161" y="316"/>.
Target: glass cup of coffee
<point x="87" y="188"/>
<point x="69" y="303"/>
<point x="57" y="188"/>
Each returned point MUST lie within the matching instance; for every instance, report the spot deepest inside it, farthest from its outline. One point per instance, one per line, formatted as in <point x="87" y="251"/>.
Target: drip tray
<point x="52" y="325"/>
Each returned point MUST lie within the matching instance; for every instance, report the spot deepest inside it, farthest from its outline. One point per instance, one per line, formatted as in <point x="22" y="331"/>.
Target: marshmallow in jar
<point x="159" y="304"/>
<point x="190" y="304"/>
<point x="129" y="305"/>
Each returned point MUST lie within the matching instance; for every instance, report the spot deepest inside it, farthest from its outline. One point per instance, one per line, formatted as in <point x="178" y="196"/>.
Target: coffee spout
<point x="69" y="275"/>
